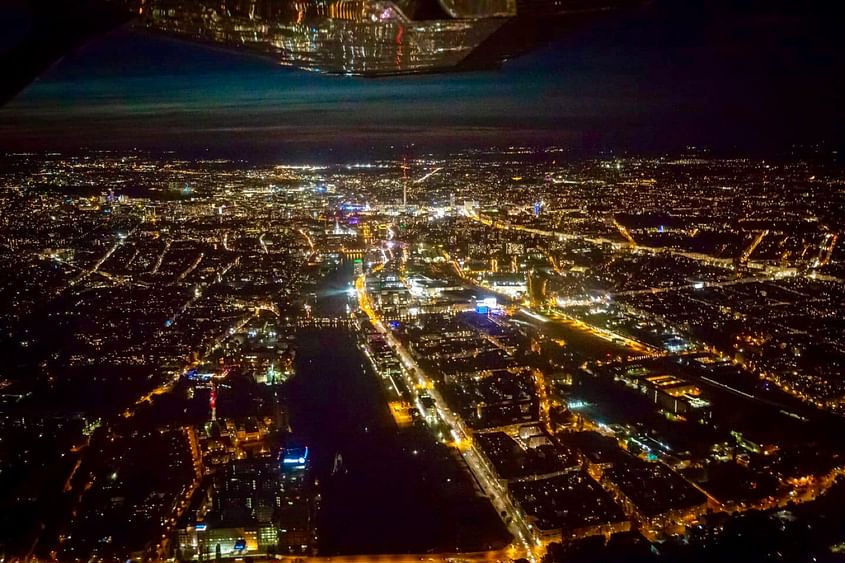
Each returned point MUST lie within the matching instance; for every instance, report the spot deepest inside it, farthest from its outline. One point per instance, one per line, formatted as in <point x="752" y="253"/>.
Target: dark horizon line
<point x="822" y="148"/>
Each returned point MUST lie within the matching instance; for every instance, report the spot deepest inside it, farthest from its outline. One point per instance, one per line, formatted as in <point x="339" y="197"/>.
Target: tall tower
<point x="212" y="401"/>
<point x="404" y="183"/>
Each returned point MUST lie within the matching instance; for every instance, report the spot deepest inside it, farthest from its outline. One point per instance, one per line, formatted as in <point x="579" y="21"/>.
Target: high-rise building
<point x="296" y="512"/>
<point x="245" y="497"/>
<point x="259" y="506"/>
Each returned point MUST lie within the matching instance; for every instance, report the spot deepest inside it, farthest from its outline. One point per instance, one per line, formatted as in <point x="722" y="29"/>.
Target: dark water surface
<point x="398" y="490"/>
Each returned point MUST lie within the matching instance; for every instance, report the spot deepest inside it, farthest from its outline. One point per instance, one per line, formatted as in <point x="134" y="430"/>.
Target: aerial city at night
<point x="452" y="280"/>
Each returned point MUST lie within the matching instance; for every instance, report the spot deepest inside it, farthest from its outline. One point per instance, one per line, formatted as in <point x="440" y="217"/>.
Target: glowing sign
<point x="194" y="374"/>
<point x="485" y="306"/>
<point x="296" y="460"/>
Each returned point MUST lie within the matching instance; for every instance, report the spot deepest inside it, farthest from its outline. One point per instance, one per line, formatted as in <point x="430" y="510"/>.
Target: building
<point x="296" y="511"/>
<point x="257" y="507"/>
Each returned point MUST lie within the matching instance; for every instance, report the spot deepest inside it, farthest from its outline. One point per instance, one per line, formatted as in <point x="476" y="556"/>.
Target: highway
<point x="85" y="273"/>
<point x="524" y="543"/>
<point x="160" y="258"/>
<point x="560" y="317"/>
<point x="697" y="256"/>
<point x="182" y="502"/>
<point x="94" y="269"/>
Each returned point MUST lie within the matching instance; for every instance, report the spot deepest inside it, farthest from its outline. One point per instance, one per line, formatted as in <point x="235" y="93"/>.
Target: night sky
<point x="744" y="75"/>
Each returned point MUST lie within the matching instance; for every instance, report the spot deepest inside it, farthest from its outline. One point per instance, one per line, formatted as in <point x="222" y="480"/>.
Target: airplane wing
<point x="352" y="37"/>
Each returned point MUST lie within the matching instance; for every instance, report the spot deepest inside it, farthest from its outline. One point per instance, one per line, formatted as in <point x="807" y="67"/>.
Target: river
<point x="397" y="490"/>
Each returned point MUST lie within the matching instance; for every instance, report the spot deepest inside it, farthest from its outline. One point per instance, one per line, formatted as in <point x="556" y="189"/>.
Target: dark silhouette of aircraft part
<point x="354" y="37"/>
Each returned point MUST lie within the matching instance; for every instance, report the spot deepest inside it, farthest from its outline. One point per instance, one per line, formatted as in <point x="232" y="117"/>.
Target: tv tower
<point x="212" y="401"/>
<point x="404" y="182"/>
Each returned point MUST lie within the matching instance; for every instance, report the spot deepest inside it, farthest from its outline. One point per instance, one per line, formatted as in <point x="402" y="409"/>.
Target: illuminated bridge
<point x="323" y="322"/>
